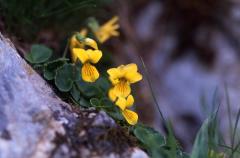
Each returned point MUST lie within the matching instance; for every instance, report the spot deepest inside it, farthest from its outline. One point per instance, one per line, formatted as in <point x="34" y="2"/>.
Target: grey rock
<point x="35" y="123"/>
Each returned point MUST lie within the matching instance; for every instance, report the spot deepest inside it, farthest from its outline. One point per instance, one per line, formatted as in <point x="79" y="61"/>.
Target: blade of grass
<point x="171" y="140"/>
<point x="234" y="133"/>
<point x="228" y="110"/>
<point x="228" y="147"/>
<point x="146" y="74"/>
<point x="235" y="127"/>
<point x="214" y="100"/>
<point x="236" y="147"/>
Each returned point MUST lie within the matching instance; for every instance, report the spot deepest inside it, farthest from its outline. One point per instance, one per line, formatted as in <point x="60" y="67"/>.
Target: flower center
<point x="122" y="88"/>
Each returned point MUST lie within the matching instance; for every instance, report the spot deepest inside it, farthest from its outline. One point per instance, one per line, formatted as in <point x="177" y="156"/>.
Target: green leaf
<point x="152" y="141"/>
<point x="171" y="141"/>
<point x="103" y="83"/>
<point x="75" y="93"/>
<point x="148" y="136"/>
<point x="88" y="89"/>
<point x="38" y="54"/>
<point x="207" y="137"/>
<point x="50" y="68"/>
<point x="181" y="154"/>
<point x="111" y="109"/>
<point x="115" y="113"/>
<point x="200" y="147"/>
<point x="65" y="77"/>
<point x="106" y="102"/>
<point x="94" y="102"/>
<point x="93" y="24"/>
<point x="159" y="153"/>
<point x="83" y="102"/>
<point x="80" y="38"/>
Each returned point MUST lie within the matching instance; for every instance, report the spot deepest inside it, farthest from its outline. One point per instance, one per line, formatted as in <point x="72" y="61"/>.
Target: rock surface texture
<point x="35" y="123"/>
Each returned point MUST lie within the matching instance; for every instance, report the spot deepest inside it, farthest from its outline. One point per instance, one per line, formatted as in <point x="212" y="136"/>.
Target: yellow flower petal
<point x="114" y="80"/>
<point x="90" y="42"/>
<point x="115" y="33"/>
<point x="112" y="96"/>
<point x="114" y="75"/>
<point x="115" y="27"/>
<point x="130" y="68"/>
<point x="133" y="77"/>
<point x="129" y="101"/>
<point x="124" y="72"/>
<point x="80" y="54"/>
<point x="74" y="42"/>
<point x="73" y="56"/>
<point x="122" y="89"/>
<point x="113" y="72"/>
<point x="112" y="20"/>
<point x="102" y="36"/>
<point x="89" y="73"/>
<point x="130" y="116"/>
<point x="94" y="55"/>
<point x="121" y="103"/>
<point x="107" y="30"/>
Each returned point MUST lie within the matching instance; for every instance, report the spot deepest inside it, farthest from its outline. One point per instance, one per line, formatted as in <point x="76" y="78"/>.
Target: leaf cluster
<point x="68" y="80"/>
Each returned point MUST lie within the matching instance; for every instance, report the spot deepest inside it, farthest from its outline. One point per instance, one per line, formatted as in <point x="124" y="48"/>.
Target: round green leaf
<point x="83" y="102"/>
<point x="75" y="93"/>
<point x="115" y="113"/>
<point x="38" y="54"/>
<point x="94" y="102"/>
<point x="49" y="75"/>
<point x="103" y="83"/>
<point x="88" y="89"/>
<point x="50" y="68"/>
<point x="106" y="102"/>
<point x="65" y="77"/>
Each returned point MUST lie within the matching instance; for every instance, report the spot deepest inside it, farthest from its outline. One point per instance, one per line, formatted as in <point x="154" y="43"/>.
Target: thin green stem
<point x="236" y="148"/>
<point x="235" y="127"/>
<point x="234" y="133"/>
<point x="228" y="110"/>
<point x="152" y="92"/>
<point x="103" y="106"/>
<point x="66" y="49"/>
<point x="228" y="147"/>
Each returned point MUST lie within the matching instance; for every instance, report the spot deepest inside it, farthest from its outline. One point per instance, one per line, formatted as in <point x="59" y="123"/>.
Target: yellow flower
<point x="107" y="30"/>
<point x="87" y="58"/>
<point x="130" y="116"/>
<point x="121" y="78"/>
<point x="74" y="43"/>
<point x="112" y="95"/>
<point x="85" y="42"/>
